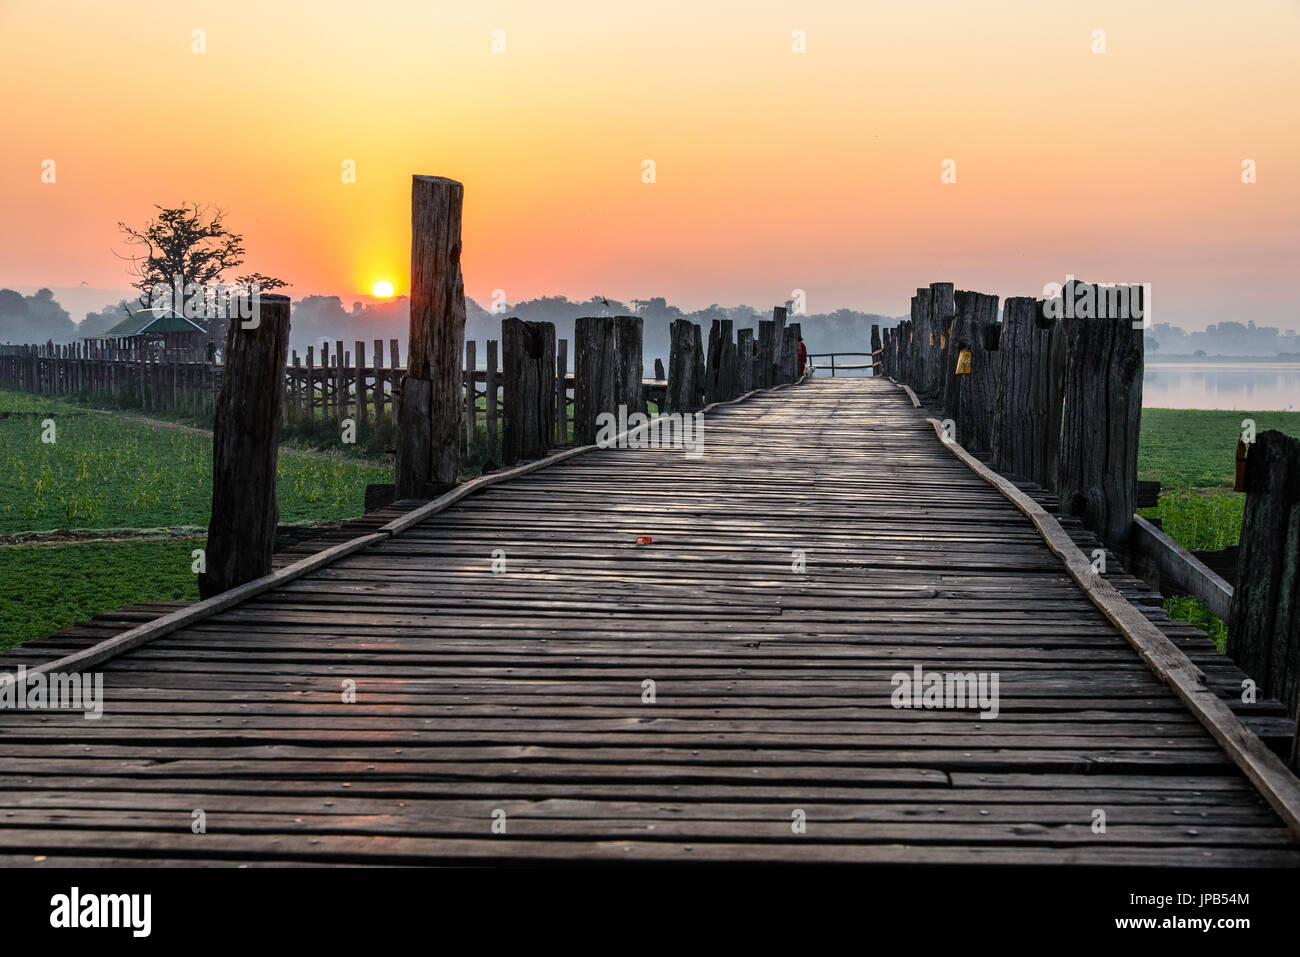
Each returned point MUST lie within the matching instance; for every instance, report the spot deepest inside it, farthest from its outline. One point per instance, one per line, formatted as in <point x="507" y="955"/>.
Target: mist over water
<point x="1253" y="386"/>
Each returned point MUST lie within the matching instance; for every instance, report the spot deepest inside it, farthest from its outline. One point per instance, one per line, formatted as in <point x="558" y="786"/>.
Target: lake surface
<point x="1253" y="386"/>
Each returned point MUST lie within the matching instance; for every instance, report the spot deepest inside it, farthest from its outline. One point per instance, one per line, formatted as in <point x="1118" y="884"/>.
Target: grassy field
<point x="44" y="588"/>
<point x="1197" y="448"/>
<point x="105" y="471"/>
<point x="1193" y="454"/>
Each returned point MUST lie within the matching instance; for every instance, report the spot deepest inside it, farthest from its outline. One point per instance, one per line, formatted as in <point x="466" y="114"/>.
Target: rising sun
<point x="382" y="289"/>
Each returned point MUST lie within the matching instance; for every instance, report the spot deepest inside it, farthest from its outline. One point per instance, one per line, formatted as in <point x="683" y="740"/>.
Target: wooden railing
<point x="835" y="366"/>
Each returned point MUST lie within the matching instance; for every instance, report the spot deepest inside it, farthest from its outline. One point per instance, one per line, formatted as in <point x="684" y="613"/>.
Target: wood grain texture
<point x="528" y="349"/>
<point x="523" y="691"/>
<point x="429" y="416"/>
<point x="245" y="449"/>
<point x="1097" y="477"/>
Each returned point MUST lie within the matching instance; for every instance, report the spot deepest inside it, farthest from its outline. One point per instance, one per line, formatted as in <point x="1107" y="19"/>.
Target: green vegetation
<point x="106" y="471"/>
<point x="103" y="471"/>
<point x="1196" y="448"/>
<point x="1193" y="454"/>
<point x="1200" y="518"/>
<point x="46" y="588"/>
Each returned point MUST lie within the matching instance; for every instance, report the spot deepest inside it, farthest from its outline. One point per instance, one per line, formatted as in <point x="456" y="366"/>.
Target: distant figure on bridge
<point x="803" y="355"/>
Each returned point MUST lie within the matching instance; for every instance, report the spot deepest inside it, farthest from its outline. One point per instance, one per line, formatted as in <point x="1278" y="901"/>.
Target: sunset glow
<point x="382" y="289"/>
<point x="773" y="170"/>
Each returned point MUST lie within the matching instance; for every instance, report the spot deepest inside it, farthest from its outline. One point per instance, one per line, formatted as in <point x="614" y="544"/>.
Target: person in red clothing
<point x="803" y="356"/>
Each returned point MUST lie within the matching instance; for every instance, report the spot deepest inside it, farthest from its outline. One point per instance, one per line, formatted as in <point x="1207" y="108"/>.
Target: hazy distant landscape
<point x="39" y="317"/>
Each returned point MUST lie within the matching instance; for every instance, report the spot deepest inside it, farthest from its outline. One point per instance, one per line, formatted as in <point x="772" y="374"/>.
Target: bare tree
<point x="189" y="241"/>
<point x="262" y="282"/>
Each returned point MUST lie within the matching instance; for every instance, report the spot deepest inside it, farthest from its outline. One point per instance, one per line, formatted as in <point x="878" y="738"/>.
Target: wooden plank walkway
<point x="517" y="698"/>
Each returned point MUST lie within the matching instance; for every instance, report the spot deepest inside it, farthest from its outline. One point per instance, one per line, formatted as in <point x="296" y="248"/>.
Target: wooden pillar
<point x="395" y="377"/>
<point x="295" y="387"/>
<point x="362" y="397"/>
<point x="793" y="372"/>
<point x="562" y="393"/>
<point x="744" y="361"/>
<point x="528" y="387"/>
<point x="428" y="443"/>
<point x="1027" y="418"/>
<point x="1264" y="619"/>
<point x="776" y="377"/>
<point x="340" y="381"/>
<point x="680" y="394"/>
<point x="713" y="362"/>
<point x="471" y="392"/>
<point x="245" y="446"/>
<point x="660" y="375"/>
<point x="941" y="317"/>
<point x="877" y="350"/>
<point x="595" y="372"/>
<point x="977" y="393"/>
<point x="766" y="353"/>
<point x="785" y="362"/>
<point x="1103" y="416"/>
<point x="325" y="387"/>
<point x="377" y="386"/>
<point x="311" y="383"/>
<point x="720" y="378"/>
<point x="492" y="383"/>
<point x="629" y="374"/>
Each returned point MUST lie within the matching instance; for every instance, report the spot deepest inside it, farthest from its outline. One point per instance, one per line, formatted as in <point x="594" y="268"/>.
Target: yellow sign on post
<point x="963" y="362"/>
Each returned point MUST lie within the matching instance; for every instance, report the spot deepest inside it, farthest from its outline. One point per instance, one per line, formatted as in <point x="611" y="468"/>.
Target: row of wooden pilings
<point x="1047" y="394"/>
<point x="1053" y="394"/>
<point x="433" y="406"/>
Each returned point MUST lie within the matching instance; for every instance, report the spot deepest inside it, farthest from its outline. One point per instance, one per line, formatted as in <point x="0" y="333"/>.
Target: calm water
<point x="1256" y="386"/>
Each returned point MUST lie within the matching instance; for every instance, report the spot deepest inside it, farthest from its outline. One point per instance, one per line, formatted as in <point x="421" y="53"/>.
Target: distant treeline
<point x="1222" y="339"/>
<point x="39" y="317"/>
<point x="845" y="330"/>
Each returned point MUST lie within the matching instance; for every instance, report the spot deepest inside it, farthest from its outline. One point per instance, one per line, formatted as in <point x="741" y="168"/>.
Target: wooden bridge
<point x="770" y="589"/>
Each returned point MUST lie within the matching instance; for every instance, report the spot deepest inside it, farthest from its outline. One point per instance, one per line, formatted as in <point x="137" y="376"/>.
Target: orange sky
<point x="775" y="170"/>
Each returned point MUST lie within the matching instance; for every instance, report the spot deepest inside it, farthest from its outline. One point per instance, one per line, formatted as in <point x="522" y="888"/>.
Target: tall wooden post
<point x="471" y="391"/>
<point x="1103" y="416"/>
<point x="744" y="361"/>
<point x="493" y="382"/>
<point x="379" y="383"/>
<point x="428" y="417"/>
<point x="561" y="392"/>
<point x="682" y="344"/>
<point x="245" y="446"/>
<point x="1027" y="418"/>
<point x="363" y="398"/>
<point x="720" y="377"/>
<point x="1264" y="620"/>
<point x="766" y="353"/>
<point x="528" y="389"/>
<point x="977" y="394"/>
<point x="793" y="371"/>
<point x="776" y="376"/>
<point x="629" y="374"/>
<point x="728" y="374"/>
<point x="941" y="313"/>
<point x="595" y="371"/>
